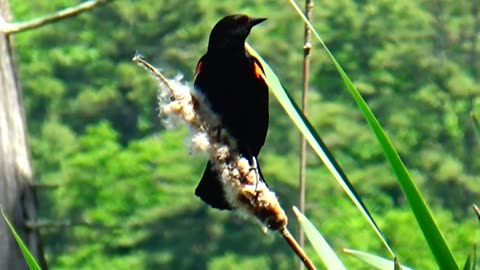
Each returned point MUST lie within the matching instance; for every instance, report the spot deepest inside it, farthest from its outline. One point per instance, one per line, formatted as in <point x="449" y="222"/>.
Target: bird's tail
<point x="210" y="189"/>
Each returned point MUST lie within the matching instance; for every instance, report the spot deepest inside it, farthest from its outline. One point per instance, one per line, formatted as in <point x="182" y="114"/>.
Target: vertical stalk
<point x="303" y="144"/>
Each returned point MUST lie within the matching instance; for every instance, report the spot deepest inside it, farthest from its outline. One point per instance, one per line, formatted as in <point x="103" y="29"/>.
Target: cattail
<point x="239" y="178"/>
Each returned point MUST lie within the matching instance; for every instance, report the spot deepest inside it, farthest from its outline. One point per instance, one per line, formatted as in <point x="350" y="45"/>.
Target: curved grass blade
<point x="32" y="264"/>
<point x="470" y="263"/>
<point x="375" y="261"/>
<point x="431" y="232"/>
<point x="316" y="142"/>
<point x="323" y="249"/>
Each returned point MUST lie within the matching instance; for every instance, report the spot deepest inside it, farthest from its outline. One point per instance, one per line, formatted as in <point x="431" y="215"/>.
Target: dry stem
<point x="307" y="47"/>
<point x="296" y="247"/>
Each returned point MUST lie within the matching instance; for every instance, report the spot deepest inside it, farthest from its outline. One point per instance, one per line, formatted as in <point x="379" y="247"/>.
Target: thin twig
<point x="298" y="250"/>
<point x="303" y="143"/>
<point x="10" y="28"/>
<point x="138" y="59"/>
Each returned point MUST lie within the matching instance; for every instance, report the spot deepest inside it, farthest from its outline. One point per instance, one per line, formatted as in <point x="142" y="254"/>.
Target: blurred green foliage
<point x="94" y="129"/>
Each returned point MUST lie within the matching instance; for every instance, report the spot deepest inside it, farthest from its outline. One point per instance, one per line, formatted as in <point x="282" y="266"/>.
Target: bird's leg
<point x="254" y="167"/>
<point x="217" y="131"/>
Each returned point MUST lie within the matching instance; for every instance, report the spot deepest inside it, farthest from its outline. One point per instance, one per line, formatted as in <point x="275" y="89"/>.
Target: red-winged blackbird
<point x="231" y="81"/>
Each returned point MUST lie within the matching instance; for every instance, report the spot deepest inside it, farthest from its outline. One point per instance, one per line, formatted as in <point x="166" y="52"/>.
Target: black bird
<point x="231" y="80"/>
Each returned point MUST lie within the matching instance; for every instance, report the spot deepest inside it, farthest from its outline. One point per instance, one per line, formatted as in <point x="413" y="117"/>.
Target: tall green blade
<point x="470" y="263"/>
<point x="434" y="237"/>
<point x="316" y="142"/>
<point x="32" y="264"/>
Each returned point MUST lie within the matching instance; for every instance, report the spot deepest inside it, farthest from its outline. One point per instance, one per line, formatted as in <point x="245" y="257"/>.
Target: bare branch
<point x="11" y="28"/>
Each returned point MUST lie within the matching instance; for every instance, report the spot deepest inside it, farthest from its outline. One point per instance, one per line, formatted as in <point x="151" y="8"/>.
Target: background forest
<point x="127" y="182"/>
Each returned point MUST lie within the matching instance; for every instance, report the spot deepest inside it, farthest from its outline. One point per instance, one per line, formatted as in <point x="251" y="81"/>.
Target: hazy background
<point x="94" y="130"/>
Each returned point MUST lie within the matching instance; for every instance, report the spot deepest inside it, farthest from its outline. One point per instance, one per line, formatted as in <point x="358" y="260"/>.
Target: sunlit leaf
<point x="375" y="261"/>
<point x="323" y="249"/>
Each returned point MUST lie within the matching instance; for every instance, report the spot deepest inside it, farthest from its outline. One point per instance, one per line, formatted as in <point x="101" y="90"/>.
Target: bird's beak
<point x="255" y="21"/>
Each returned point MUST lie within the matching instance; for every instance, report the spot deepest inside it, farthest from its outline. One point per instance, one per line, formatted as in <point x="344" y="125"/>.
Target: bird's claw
<point x="255" y="168"/>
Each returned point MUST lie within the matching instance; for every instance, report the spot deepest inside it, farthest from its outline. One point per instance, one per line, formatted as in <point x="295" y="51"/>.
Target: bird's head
<point x="232" y="31"/>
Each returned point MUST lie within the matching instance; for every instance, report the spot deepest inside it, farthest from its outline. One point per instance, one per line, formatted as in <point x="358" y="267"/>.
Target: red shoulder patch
<point x="258" y="69"/>
<point x="199" y="68"/>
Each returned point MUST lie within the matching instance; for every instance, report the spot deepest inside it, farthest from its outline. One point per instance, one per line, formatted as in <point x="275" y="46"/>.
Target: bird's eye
<point x="244" y="19"/>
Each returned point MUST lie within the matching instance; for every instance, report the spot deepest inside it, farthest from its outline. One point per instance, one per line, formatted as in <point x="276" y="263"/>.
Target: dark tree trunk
<point x="16" y="195"/>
